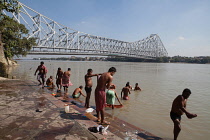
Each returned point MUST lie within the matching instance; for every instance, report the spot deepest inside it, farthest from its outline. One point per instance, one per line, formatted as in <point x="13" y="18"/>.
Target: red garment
<point x="125" y="98"/>
<point x="100" y="99"/>
<point x="66" y="81"/>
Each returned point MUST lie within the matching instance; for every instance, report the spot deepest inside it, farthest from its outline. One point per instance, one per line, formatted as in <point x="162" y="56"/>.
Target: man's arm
<point x="182" y="107"/>
<point x="82" y="93"/>
<point x="117" y="98"/>
<point x="91" y="75"/>
<point x="188" y="114"/>
<point x="121" y="93"/>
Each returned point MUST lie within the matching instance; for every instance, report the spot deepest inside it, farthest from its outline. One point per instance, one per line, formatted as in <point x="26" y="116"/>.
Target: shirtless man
<point x="78" y="92"/>
<point x="103" y="82"/>
<point x="50" y="83"/>
<point x="179" y="108"/>
<point x="125" y="92"/>
<point x="42" y="73"/>
<point x="66" y="80"/>
<point x="59" y="76"/>
<point x="137" y="87"/>
<point x="130" y="87"/>
<point x="88" y="85"/>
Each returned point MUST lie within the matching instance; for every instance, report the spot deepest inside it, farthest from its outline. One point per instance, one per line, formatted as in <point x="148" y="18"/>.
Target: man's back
<point x="177" y="104"/>
<point x="103" y="80"/>
<point x="60" y="73"/>
<point x="125" y="90"/>
<point x="66" y="73"/>
<point x="76" y="91"/>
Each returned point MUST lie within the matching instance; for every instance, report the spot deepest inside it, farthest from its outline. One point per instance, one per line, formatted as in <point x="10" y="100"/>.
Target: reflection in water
<point x="148" y="109"/>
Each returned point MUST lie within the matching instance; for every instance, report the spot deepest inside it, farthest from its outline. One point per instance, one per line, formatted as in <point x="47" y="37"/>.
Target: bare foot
<point x="98" y="120"/>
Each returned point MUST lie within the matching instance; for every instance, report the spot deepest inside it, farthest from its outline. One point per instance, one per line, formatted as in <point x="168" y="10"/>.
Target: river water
<point x="148" y="109"/>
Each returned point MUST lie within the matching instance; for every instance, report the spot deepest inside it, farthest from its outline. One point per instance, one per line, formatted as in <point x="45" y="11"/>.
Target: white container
<point x="66" y="108"/>
<point x="89" y="110"/>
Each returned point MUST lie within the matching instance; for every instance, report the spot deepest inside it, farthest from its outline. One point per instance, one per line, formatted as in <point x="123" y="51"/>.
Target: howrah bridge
<point x="53" y="38"/>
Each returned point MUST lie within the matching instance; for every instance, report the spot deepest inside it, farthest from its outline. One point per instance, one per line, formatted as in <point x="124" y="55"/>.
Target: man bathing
<point x="42" y="73"/>
<point x="103" y="82"/>
<point x="78" y="92"/>
<point x="110" y="96"/>
<point x="178" y="109"/>
<point x="125" y="91"/>
<point x="59" y="76"/>
<point x="137" y="87"/>
<point x="66" y="80"/>
<point x="50" y="83"/>
<point x="128" y="84"/>
<point x="88" y="86"/>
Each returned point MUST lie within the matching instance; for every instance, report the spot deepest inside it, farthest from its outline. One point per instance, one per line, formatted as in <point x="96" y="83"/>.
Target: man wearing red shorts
<point x="104" y="82"/>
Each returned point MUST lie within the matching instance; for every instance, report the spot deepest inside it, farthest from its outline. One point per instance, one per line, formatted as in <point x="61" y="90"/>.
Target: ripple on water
<point x="148" y="109"/>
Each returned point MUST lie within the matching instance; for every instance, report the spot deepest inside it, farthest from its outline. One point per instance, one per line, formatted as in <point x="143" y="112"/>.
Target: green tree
<point x="14" y="34"/>
<point x="9" y="6"/>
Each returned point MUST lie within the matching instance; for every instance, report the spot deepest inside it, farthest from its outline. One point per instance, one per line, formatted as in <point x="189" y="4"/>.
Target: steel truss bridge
<point x="54" y="38"/>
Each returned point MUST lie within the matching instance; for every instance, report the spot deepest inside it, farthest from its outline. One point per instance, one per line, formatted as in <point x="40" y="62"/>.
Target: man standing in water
<point x="88" y="85"/>
<point x="104" y="82"/>
<point x="66" y="81"/>
<point x="179" y="108"/>
<point x="125" y="91"/>
<point x="42" y="73"/>
<point x="59" y="76"/>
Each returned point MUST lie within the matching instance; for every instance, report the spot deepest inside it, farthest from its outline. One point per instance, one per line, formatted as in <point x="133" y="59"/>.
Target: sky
<point x="182" y="25"/>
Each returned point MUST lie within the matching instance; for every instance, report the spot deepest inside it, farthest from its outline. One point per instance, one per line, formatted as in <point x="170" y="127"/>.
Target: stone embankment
<point x="3" y="59"/>
<point x="28" y="112"/>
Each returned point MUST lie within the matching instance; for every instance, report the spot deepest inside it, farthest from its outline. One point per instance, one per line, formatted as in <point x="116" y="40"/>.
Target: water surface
<point x="148" y="109"/>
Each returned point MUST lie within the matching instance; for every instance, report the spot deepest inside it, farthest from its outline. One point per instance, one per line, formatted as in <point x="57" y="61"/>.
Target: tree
<point x="14" y="34"/>
<point x="9" y="6"/>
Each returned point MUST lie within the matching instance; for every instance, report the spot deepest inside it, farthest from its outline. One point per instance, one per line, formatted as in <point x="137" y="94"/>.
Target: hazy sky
<point x="183" y="25"/>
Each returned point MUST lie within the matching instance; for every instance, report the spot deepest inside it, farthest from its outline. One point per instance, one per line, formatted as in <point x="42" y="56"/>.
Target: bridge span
<point x="53" y="38"/>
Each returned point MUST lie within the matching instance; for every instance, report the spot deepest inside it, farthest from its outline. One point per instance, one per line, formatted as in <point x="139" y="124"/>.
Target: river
<point x="148" y="109"/>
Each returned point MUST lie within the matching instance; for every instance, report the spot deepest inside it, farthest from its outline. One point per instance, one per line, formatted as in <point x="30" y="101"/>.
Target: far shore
<point x="102" y="59"/>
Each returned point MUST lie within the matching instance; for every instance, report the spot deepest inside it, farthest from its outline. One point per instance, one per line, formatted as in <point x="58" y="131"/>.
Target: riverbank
<point x="19" y="119"/>
<point x="174" y="59"/>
